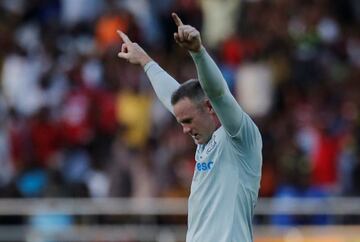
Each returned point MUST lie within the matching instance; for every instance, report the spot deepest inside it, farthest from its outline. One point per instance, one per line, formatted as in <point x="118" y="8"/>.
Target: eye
<point x="186" y="121"/>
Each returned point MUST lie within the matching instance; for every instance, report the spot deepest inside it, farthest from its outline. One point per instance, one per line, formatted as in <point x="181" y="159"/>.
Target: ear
<point x="208" y="107"/>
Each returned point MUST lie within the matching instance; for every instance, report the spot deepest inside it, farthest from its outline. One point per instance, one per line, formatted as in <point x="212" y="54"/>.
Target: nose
<point x="186" y="129"/>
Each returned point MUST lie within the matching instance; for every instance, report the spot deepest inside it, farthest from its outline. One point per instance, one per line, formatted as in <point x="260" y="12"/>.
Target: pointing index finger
<point x="124" y="37"/>
<point x="177" y="20"/>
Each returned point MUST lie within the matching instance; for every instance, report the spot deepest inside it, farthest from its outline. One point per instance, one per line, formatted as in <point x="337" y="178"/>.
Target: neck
<point x="216" y="122"/>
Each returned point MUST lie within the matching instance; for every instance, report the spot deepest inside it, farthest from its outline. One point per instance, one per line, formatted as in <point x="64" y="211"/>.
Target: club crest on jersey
<point x="211" y="145"/>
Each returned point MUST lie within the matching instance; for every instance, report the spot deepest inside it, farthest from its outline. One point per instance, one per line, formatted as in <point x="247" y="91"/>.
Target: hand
<point x="187" y="36"/>
<point x="132" y="52"/>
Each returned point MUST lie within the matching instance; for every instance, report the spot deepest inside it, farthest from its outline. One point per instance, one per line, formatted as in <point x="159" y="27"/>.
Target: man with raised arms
<point x="226" y="179"/>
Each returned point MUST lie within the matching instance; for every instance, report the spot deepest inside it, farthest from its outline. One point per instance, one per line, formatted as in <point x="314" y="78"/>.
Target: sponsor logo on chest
<point x="204" y="166"/>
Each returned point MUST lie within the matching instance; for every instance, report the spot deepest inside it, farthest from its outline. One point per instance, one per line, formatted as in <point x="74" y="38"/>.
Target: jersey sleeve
<point x="164" y="85"/>
<point x="234" y="120"/>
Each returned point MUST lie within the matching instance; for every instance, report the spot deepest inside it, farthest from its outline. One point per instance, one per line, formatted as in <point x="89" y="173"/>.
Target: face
<point x="196" y="120"/>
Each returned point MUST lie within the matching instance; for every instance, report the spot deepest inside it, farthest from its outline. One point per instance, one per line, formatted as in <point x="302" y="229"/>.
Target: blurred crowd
<point x="76" y="121"/>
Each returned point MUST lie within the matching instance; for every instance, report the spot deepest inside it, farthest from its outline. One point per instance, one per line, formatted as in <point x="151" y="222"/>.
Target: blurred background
<point x="87" y="152"/>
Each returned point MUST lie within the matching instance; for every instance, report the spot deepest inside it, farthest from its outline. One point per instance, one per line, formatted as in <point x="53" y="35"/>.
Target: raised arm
<point x="164" y="85"/>
<point x="226" y="107"/>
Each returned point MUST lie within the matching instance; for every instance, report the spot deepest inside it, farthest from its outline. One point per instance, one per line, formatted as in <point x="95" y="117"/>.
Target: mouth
<point x="195" y="136"/>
